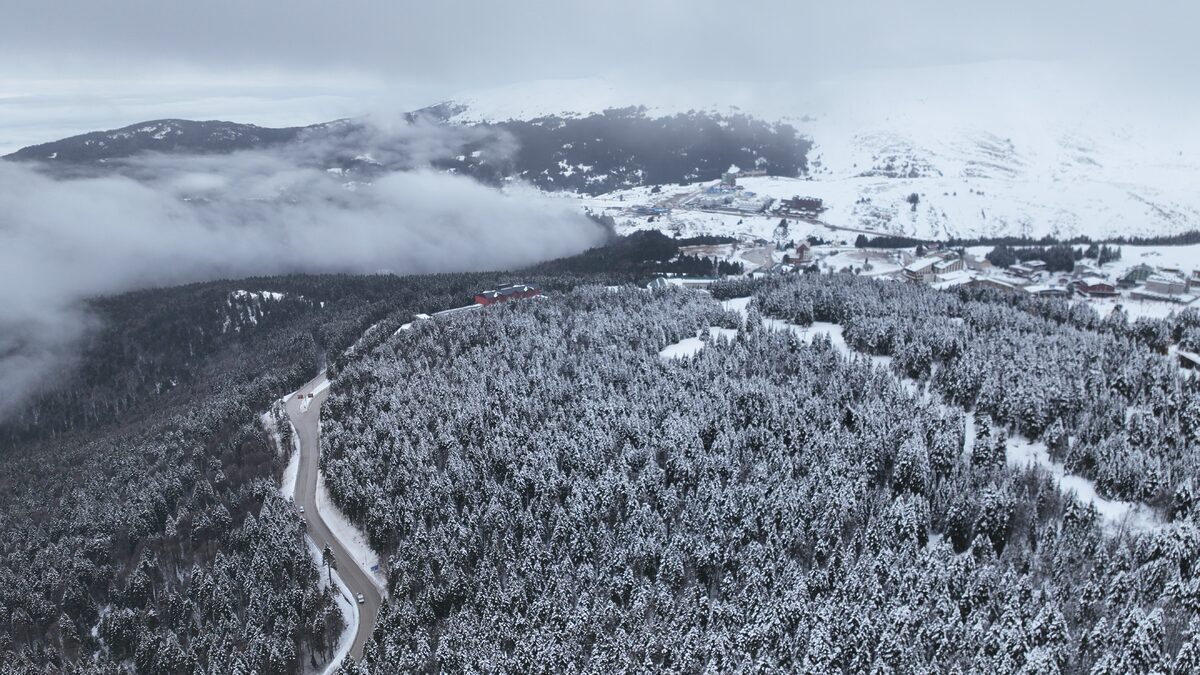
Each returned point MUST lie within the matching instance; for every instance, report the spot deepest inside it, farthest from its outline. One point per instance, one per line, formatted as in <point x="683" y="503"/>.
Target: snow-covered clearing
<point x="691" y="346"/>
<point x="739" y="305"/>
<point x="684" y="348"/>
<point x="350" y="536"/>
<point x="1118" y="514"/>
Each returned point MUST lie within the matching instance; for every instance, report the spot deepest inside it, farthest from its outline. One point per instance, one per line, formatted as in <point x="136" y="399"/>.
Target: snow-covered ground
<point x="256" y="295"/>
<point x="1118" y="514"/>
<point x="691" y="346"/>
<point x="349" y="613"/>
<point x="350" y="536"/>
<point x="287" y="484"/>
<point x="999" y="148"/>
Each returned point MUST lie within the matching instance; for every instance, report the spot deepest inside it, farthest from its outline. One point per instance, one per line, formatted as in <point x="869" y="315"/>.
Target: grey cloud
<point x="62" y="241"/>
<point x="469" y="42"/>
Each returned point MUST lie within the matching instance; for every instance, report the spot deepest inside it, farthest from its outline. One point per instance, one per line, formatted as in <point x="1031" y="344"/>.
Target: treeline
<point x="551" y="495"/>
<point x="890" y="241"/>
<point x="886" y="241"/>
<point x="705" y="240"/>
<point x="1058" y="258"/>
<point x="637" y="258"/>
<point x="695" y="266"/>
<point x="1182" y="239"/>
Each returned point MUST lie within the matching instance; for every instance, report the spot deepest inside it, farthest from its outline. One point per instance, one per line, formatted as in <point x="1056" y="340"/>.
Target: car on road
<point x="301" y="509"/>
<point x="361" y="598"/>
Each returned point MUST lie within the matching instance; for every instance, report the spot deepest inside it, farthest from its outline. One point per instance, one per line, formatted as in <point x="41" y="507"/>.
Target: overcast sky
<point x="73" y="65"/>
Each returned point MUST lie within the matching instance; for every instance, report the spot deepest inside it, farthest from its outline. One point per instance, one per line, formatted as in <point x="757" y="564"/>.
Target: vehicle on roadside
<point x="361" y="598"/>
<point x="301" y="509"/>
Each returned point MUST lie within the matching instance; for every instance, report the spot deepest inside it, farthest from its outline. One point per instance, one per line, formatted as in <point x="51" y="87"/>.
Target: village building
<point x="1165" y="287"/>
<point x="1135" y="276"/>
<point x="802" y="205"/>
<point x="976" y="263"/>
<point x="947" y="266"/>
<point x="1095" y="287"/>
<point x="774" y="270"/>
<point x="933" y="267"/>
<point x="1048" y="291"/>
<point x="1167" y="284"/>
<point x="921" y="269"/>
<point x="511" y="292"/>
<point x="1027" y="269"/>
<point x="993" y="283"/>
<point x="682" y="282"/>
<point x="724" y="197"/>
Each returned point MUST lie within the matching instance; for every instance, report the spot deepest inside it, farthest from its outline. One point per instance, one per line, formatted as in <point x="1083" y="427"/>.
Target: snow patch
<point x="1117" y="514"/>
<point x="689" y="347"/>
<point x="685" y="348"/>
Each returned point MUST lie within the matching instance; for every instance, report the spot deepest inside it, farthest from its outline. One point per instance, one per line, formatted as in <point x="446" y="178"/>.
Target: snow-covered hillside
<point x="1005" y="148"/>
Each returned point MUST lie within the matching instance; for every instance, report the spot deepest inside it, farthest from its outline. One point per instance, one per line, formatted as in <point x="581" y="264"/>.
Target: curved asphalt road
<point x="356" y="579"/>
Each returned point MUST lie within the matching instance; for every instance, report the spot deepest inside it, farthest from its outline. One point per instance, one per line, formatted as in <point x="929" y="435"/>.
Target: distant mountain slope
<point x="596" y="153"/>
<point x="622" y="148"/>
<point x="169" y="136"/>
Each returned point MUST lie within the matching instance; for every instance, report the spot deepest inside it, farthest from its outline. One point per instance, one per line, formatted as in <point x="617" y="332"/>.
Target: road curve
<point x="305" y="414"/>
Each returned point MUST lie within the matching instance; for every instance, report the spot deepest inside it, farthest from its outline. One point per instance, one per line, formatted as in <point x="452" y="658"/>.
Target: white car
<point x="361" y="599"/>
<point x="301" y="509"/>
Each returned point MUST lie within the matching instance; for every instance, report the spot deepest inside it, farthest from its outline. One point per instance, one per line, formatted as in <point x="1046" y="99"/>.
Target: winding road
<point x="305" y="414"/>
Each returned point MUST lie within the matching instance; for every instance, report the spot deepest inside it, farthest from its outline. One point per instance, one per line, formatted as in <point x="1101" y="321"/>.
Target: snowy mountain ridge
<point x="1008" y="148"/>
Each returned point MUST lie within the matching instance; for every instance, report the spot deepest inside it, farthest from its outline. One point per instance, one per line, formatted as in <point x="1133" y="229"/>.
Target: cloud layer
<point x="177" y="220"/>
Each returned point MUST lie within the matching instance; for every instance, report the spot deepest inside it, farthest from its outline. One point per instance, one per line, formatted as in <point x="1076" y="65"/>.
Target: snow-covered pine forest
<point x="141" y="525"/>
<point x="551" y="495"/>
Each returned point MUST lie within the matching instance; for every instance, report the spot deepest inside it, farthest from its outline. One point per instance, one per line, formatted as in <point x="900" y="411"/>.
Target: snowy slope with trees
<point x="550" y="490"/>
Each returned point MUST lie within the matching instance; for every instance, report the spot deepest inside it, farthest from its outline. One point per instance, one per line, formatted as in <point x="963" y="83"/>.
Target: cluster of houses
<point x="945" y="268"/>
<point x="728" y="196"/>
<point x="795" y="259"/>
